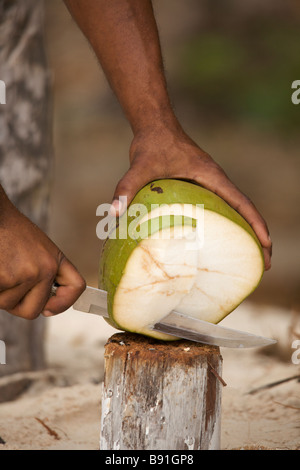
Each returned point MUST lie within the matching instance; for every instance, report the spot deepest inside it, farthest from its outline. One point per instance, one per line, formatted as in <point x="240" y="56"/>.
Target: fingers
<point x="198" y="167"/>
<point x="267" y="256"/>
<point x="133" y="180"/>
<point x="31" y="298"/>
<point x="71" y="286"/>
<point x="25" y="290"/>
<point x="29" y="264"/>
<point x="33" y="302"/>
<point x="11" y="297"/>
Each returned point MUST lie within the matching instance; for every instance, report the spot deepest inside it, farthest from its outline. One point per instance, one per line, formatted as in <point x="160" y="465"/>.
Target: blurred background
<point x="230" y="66"/>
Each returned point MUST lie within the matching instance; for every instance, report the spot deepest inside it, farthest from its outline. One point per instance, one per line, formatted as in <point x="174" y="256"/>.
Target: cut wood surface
<point x="160" y="395"/>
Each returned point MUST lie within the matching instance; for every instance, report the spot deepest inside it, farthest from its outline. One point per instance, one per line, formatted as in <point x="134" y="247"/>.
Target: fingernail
<point x="47" y="313"/>
<point x="116" y="207"/>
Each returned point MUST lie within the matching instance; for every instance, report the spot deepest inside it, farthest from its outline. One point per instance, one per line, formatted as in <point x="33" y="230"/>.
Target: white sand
<point x="67" y="396"/>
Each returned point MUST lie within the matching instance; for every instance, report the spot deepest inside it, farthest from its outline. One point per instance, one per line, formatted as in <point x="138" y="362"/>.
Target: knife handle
<point x="54" y="288"/>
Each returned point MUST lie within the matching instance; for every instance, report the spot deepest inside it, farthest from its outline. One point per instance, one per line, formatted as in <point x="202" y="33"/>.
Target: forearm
<point x="4" y="202"/>
<point x="124" y="36"/>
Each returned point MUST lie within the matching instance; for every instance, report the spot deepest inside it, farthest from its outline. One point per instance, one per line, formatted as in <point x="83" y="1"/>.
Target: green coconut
<point x="178" y="247"/>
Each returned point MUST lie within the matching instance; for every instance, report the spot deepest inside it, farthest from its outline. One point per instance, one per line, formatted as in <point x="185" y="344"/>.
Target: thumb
<point x="126" y="189"/>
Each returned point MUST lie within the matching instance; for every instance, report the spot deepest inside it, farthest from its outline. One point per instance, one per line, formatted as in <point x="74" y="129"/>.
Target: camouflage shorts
<point x="25" y="151"/>
<point x="25" y="119"/>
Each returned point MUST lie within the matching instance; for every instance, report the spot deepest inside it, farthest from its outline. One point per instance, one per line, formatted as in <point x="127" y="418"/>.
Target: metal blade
<point x="201" y="331"/>
<point x="92" y="300"/>
<point x="177" y="324"/>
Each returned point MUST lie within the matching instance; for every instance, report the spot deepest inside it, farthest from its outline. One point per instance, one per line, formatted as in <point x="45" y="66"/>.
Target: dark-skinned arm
<point x="124" y="36"/>
<point x="29" y="264"/>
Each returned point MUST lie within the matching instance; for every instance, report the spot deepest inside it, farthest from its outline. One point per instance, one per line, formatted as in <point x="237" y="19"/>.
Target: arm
<point x="31" y="263"/>
<point x="124" y="36"/>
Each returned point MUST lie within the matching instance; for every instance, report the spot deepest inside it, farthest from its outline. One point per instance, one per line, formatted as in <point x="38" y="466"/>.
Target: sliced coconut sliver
<point x="158" y="274"/>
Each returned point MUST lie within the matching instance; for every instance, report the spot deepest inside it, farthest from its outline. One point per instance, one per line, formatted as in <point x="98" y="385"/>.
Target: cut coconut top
<point x="171" y="271"/>
<point x="187" y="251"/>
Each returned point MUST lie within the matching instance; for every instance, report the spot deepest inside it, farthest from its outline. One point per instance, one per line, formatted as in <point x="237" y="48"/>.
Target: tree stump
<point x="160" y="395"/>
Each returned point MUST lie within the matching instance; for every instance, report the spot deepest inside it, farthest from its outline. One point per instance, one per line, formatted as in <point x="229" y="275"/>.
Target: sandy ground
<point x="62" y="407"/>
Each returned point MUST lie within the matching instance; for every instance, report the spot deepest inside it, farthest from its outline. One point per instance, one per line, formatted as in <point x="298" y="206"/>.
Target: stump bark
<point x="160" y="395"/>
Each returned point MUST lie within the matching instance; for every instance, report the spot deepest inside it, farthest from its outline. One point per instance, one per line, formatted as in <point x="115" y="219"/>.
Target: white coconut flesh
<point x="168" y="271"/>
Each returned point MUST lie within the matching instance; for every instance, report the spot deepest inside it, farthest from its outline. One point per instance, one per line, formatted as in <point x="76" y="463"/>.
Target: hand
<point x="164" y="153"/>
<point x="125" y="39"/>
<point x="29" y="264"/>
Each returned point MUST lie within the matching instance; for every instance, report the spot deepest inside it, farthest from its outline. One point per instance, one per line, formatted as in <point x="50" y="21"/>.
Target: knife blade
<point x="94" y="301"/>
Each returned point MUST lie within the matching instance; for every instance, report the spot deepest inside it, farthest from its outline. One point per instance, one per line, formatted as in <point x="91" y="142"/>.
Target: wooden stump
<point x="160" y="395"/>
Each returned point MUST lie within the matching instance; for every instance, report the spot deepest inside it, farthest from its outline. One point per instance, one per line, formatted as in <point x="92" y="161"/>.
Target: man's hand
<point x="29" y="264"/>
<point x="124" y="36"/>
<point x="164" y="153"/>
